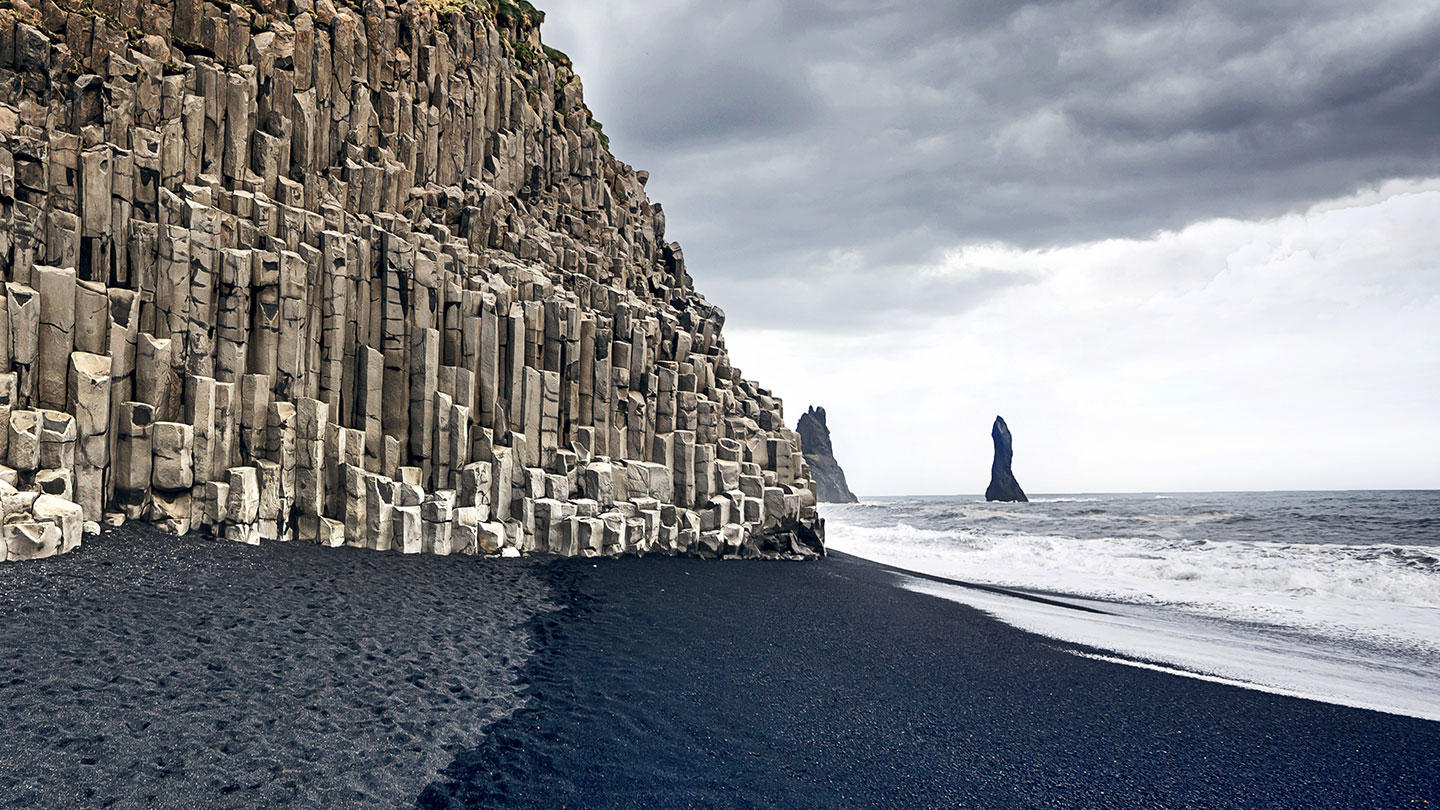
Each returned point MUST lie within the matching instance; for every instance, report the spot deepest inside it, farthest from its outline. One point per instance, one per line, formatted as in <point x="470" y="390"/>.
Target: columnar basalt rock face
<point x="293" y="271"/>
<point x="820" y="455"/>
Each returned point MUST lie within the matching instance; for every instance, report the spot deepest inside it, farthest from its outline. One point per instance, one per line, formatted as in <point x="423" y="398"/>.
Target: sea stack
<point x="820" y="455"/>
<point x="355" y="274"/>
<point x="1003" y="486"/>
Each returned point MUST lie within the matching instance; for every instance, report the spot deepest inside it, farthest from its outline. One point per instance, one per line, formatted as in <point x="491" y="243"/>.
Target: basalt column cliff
<point x="353" y="275"/>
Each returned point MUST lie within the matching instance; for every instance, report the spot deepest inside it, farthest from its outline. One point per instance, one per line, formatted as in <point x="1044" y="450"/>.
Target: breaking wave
<point x="1303" y="593"/>
<point x="1365" y="592"/>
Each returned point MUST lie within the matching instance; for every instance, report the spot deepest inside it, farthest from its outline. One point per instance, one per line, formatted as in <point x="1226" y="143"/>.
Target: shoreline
<point x="860" y="693"/>
<point x="363" y="679"/>
<point x="1170" y="639"/>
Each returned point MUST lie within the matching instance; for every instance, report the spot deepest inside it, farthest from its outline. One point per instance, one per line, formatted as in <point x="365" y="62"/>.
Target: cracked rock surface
<point x="363" y="276"/>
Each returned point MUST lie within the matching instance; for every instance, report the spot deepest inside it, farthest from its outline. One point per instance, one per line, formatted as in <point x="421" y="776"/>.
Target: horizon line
<point x="981" y="495"/>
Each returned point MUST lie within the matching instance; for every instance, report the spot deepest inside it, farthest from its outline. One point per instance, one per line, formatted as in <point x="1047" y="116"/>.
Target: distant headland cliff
<point x="824" y="470"/>
<point x="1003" y="486"/>
<point x="359" y="275"/>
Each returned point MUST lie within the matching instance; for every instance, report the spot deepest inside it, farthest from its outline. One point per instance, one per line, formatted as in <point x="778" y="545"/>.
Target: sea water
<point x="1331" y="596"/>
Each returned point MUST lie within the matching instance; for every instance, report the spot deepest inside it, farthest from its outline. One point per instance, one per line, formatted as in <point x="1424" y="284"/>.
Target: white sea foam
<point x="1357" y="625"/>
<point x="1388" y="595"/>
<point x="1241" y="655"/>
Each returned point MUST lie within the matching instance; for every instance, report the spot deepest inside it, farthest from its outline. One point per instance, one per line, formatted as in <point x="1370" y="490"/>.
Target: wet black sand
<point x="146" y="671"/>
<point x="675" y="683"/>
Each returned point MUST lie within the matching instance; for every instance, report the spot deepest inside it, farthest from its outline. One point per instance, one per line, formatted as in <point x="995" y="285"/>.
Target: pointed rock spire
<point x="1003" y="486"/>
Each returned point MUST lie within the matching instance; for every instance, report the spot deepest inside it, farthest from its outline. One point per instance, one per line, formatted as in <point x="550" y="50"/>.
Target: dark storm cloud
<point x="780" y="131"/>
<point x="721" y="101"/>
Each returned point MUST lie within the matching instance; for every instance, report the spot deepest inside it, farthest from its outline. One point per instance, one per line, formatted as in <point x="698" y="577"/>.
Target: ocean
<point x="1331" y="596"/>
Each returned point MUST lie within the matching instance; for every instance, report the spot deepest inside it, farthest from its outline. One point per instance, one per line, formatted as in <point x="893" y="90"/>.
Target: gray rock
<point x="257" y="295"/>
<point x="1003" y="486"/>
<point x="171" y="468"/>
<point x="820" y="456"/>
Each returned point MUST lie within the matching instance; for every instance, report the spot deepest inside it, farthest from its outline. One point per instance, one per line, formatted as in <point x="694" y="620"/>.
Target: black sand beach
<point x="145" y="671"/>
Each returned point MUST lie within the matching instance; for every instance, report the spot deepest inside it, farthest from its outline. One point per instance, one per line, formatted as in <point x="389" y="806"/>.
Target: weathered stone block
<point x="557" y="487"/>
<point x="23" y="311"/>
<point x="753" y="486"/>
<point x="32" y="540"/>
<point x="597" y="482"/>
<point x="56" y="334"/>
<point x="331" y="533"/>
<point x="59" y="483"/>
<point x="57" y="440"/>
<point x="436" y="538"/>
<point x="8" y="389"/>
<point x="311" y="417"/>
<point x="133" y="458"/>
<point x="89" y="398"/>
<point x="247" y="533"/>
<point x="243" y="501"/>
<point x="310" y="473"/>
<point x="615" y="533"/>
<point x="65" y="514"/>
<point x="438" y="507"/>
<point x="379" y="512"/>
<point x="408" y="495"/>
<point x="464" y="539"/>
<point x="172" y="511"/>
<point x="727" y="475"/>
<point x="23" y="440"/>
<point x="406" y="537"/>
<point x="589" y="536"/>
<point x="215" y="508"/>
<point x="492" y="537"/>
<point x="475" y="487"/>
<point x="274" y="505"/>
<point x="549" y="513"/>
<point x="172" y="468"/>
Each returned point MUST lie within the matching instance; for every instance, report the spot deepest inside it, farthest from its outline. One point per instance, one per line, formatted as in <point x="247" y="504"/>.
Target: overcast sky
<point x="1179" y="245"/>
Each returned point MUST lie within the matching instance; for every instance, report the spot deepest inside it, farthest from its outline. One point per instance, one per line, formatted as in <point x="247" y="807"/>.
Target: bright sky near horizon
<point x="1189" y="245"/>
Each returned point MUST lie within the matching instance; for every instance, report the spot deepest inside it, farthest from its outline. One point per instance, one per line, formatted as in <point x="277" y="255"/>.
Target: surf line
<point x="1255" y="685"/>
<point x="996" y="589"/>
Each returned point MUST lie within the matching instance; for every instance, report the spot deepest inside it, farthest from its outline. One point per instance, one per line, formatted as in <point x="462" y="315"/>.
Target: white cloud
<point x="1298" y="352"/>
<point x="842" y="171"/>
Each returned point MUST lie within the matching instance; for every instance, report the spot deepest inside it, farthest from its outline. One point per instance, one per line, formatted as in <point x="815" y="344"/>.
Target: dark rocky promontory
<point x="1003" y="486"/>
<point x="824" y="470"/>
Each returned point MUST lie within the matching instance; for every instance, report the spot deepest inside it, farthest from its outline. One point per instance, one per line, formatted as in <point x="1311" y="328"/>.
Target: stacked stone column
<point x="253" y="287"/>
